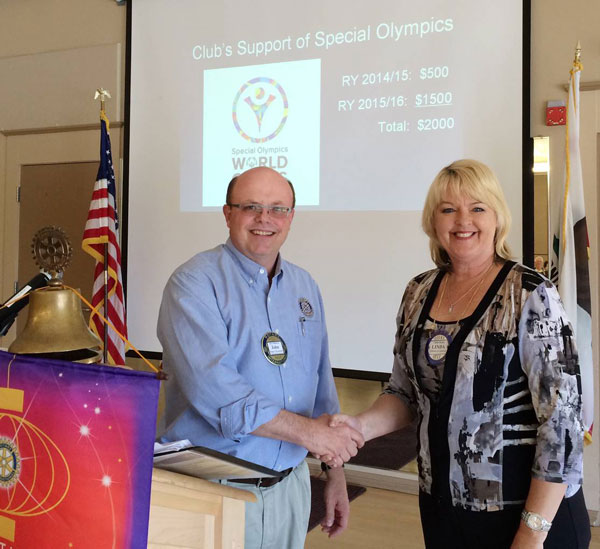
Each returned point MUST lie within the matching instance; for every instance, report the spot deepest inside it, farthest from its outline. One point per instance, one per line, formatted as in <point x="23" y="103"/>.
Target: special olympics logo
<point x="10" y="463"/>
<point x="260" y="110"/>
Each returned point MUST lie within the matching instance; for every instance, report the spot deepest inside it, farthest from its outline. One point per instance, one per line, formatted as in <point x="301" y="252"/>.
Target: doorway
<point x="59" y="195"/>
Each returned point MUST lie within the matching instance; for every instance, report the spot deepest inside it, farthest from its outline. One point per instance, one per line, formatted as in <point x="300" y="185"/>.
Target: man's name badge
<point x="274" y="348"/>
<point x="437" y="346"/>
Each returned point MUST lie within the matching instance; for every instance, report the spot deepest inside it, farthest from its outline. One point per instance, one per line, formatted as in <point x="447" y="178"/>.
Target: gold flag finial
<point x="103" y="95"/>
<point x="578" y="52"/>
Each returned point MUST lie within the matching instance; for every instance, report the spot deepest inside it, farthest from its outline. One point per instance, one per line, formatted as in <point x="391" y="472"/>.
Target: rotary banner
<point x="76" y="446"/>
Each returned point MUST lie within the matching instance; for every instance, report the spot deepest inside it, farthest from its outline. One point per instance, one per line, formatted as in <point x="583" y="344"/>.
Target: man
<point x="245" y="346"/>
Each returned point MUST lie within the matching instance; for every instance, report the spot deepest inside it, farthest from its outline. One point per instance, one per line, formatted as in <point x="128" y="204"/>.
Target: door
<point x="59" y="195"/>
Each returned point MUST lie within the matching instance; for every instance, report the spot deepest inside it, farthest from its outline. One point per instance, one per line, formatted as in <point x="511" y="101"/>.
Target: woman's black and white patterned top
<point x="509" y="404"/>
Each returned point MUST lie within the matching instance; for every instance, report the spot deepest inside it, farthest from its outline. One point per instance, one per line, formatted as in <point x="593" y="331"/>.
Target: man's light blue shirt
<point x="215" y="310"/>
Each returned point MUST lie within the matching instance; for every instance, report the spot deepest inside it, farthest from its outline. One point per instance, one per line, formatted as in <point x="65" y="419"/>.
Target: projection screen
<point x="359" y="104"/>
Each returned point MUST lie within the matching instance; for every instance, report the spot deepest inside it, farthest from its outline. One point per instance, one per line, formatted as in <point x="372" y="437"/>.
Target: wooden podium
<point x="194" y="513"/>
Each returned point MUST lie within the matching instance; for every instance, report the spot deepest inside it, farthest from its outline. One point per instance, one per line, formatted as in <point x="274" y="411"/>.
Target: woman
<point x="485" y="359"/>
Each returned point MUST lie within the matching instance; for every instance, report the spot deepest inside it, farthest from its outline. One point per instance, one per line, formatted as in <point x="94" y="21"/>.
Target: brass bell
<point x="56" y="328"/>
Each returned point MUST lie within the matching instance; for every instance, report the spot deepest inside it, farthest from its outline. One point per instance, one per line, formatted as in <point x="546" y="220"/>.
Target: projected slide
<point x="359" y="104"/>
<point x="339" y="101"/>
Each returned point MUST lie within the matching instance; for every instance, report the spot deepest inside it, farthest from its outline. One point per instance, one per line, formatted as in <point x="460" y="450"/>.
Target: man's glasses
<point x="280" y="212"/>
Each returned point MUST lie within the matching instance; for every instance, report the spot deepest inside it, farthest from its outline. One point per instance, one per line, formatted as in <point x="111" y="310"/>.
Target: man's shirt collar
<point x="251" y="270"/>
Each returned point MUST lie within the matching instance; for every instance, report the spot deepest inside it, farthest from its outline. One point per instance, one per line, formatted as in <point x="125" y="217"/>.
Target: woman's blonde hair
<point x="473" y="179"/>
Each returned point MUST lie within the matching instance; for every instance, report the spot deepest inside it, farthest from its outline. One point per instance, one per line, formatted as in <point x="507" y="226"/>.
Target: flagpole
<point x="105" y="351"/>
<point x="102" y="93"/>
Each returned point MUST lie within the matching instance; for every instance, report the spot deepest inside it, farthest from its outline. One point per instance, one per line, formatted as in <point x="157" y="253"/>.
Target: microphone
<point x="11" y="307"/>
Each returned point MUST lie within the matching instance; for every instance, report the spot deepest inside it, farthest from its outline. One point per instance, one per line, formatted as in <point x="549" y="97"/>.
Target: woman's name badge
<point x="437" y="346"/>
<point x="274" y="348"/>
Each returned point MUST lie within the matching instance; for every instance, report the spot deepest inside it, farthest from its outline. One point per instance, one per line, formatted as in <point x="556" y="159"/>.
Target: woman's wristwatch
<point x="535" y="522"/>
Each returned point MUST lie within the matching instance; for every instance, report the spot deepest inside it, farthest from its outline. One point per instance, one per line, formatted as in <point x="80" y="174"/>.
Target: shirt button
<point x="250" y="281"/>
<point x="290" y="399"/>
<point x="276" y="330"/>
<point x="262" y="271"/>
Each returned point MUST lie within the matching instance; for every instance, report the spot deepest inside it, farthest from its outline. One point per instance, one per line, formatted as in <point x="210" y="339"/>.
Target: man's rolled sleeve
<point x="244" y="416"/>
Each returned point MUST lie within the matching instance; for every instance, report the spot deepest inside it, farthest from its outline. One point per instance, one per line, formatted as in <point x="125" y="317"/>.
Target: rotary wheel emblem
<point x="52" y="249"/>
<point x="10" y="463"/>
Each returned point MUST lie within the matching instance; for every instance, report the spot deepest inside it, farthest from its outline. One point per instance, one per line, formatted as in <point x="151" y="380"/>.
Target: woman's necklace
<point x="471" y="290"/>
<point x="438" y="342"/>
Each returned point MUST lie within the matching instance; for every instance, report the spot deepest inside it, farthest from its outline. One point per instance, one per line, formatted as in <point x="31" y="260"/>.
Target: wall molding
<point x="59" y="129"/>
<point x="374" y="477"/>
<point x="585" y="86"/>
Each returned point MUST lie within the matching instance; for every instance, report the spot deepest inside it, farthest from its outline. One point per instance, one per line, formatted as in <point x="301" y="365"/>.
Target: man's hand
<point x="335" y="422"/>
<point x="340" y="443"/>
<point x="337" y="506"/>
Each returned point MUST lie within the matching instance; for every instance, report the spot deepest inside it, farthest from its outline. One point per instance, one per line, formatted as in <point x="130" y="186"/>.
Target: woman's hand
<point x="335" y="421"/>
<point x="352" y="421"/>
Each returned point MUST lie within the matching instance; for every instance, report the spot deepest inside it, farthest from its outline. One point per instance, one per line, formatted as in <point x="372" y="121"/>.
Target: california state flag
<point x="574" y="252"/>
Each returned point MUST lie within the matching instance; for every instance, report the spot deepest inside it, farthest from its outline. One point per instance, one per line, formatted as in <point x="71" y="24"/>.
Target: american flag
<point x="102" y="228"/>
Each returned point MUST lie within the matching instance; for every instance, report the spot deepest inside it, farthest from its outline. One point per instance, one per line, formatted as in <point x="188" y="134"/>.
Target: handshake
<point x="335" y="438"/>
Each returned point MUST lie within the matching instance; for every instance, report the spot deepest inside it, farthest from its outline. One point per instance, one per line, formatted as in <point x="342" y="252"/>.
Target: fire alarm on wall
<point x="556" y="113"/>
